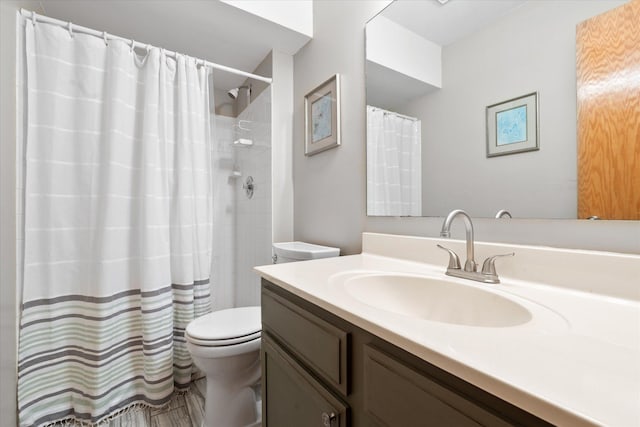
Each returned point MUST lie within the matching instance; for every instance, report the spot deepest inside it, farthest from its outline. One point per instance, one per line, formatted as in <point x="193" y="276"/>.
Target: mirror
<point x="433" y="69"/>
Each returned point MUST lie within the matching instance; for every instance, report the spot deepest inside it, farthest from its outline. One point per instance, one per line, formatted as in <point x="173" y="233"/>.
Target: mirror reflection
<point x="434" y="67"/>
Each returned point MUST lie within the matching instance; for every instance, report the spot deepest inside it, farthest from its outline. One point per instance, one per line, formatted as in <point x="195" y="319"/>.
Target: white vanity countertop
<point x="576" y="363"/>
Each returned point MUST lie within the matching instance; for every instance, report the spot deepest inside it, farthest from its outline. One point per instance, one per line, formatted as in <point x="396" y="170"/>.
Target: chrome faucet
<point x="503" y="213"/>
<point x="470" y="263"/>
<point x="470" y="271"/>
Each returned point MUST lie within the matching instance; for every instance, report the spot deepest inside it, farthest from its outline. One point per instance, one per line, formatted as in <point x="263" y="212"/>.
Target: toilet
<point x="301" y="251"/>
<point x="225" y="346"/>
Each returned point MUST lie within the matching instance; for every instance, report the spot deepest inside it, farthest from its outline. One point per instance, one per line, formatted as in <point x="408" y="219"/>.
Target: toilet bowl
<point x="225" y="345"/>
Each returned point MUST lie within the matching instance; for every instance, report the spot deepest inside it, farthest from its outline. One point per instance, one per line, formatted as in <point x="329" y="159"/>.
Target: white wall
<point x="282" y="147"/>
<point x="394" y="47"/>
<point x="329" y="187"/>
<point x="296" y="15"/>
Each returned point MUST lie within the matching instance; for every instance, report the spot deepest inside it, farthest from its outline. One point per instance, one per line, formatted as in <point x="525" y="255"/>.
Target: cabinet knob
<point x="328" y="418"/>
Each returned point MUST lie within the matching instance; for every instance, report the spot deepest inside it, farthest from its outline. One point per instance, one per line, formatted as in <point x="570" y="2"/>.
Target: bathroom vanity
<point x="385" y="338"/>
<point x="321" y="370"/>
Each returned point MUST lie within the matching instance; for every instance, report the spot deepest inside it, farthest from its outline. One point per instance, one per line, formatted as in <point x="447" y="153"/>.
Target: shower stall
<point x="242" y="214"/>
<point x="142" y="211"/>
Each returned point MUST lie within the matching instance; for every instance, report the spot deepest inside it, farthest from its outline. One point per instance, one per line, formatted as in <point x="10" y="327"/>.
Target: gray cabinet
<point x="316" y="342"/>
<point x="292" y="397"/>
<point x="396" y="394"/>
<point x="320" y="370"/>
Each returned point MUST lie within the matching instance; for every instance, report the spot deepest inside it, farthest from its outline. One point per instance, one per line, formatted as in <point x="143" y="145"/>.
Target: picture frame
<point x="322" y="117"/>
<point x="512" y="126"/>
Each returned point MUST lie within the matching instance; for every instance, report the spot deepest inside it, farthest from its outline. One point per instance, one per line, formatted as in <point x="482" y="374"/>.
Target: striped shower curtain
<point x="117" y="225"/>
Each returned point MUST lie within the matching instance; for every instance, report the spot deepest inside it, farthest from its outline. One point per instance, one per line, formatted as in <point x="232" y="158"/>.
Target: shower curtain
<point x="394" y="179"/>
<point x="117" y="225"/>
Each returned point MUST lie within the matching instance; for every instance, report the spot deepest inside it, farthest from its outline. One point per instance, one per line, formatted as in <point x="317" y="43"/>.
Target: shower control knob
<point x="248" y="187"/>
<point x="328" y="418"/>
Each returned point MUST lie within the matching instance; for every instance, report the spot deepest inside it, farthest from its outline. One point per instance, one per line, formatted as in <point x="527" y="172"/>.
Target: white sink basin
<point x="436" y="300"/>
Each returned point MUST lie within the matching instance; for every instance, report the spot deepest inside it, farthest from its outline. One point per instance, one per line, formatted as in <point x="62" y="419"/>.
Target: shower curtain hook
<point x="70" y="28"/>
<point x="104" y="37"/>
<point x="34" y="18"/>
<point x="132" y="46"/>
<point x="148" y="48"/>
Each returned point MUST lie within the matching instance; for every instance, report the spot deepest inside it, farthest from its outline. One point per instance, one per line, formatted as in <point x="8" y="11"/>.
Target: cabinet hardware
<point x="328" y="418"/>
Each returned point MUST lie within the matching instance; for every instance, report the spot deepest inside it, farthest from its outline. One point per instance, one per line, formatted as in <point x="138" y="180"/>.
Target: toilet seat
<point x="225" y="327"/>
<point x="223" y="342"/>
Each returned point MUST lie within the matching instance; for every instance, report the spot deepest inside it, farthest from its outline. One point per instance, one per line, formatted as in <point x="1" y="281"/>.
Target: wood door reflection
<point x="608" y="89"/>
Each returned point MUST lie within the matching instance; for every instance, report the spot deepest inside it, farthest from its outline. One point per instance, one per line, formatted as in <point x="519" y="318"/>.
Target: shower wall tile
<point x="20" y="201"/>
<point x="253" y="218"/>
<point x="224" y="239"/>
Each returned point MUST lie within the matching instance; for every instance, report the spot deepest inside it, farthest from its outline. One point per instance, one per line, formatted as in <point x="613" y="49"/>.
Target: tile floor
<point x="184" y="410"/>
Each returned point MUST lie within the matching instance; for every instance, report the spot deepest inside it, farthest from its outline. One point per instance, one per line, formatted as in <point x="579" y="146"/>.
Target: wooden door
<point x="608" y="89"/>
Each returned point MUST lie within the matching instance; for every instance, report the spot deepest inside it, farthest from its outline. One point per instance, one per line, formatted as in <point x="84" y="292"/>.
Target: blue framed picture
<point x="322" y="117"/>
<point x="512" y="126"/>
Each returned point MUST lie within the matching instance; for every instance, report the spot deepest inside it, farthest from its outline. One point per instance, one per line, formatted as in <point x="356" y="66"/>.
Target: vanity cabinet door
<point x="397" y="395"/>
<point x="292" y="397"/>
<point x="318" y="344"/>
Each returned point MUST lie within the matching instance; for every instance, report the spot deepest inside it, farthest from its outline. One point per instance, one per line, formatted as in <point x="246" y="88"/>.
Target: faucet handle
<point x="454" y="260"/>
<point x="489" y="264"/>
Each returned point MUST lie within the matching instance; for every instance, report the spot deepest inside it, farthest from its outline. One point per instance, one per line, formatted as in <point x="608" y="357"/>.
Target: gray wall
<point x="8" y="295"/>
<point x="329" y="188"/>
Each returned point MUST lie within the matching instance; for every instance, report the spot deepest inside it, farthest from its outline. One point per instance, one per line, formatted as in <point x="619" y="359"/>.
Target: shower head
<point x="233" y="93"/>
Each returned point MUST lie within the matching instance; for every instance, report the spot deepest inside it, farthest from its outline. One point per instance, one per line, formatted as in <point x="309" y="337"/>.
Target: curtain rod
<point x="77" y="28"/>
<point x="415" y="119"/>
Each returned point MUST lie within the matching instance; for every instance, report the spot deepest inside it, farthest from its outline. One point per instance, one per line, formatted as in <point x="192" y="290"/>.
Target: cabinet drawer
<point x="291" y="397"/>
<point x="317" y="343"/>
<point x="397" y="395"/>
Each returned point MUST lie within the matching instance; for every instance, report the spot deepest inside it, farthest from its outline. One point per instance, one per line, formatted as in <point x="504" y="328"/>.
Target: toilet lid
<point x="225" y="327"/>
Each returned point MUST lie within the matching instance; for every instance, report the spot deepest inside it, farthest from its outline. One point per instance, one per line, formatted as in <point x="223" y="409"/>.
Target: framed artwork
<point x="512" y="126"/>
<point x="322" y="117"/>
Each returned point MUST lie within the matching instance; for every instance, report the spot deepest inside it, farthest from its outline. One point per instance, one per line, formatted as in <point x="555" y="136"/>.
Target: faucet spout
<point x="470" y="263"/>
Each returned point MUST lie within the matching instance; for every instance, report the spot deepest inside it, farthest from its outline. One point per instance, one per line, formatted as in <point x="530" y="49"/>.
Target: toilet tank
<point x="301" y="251"/>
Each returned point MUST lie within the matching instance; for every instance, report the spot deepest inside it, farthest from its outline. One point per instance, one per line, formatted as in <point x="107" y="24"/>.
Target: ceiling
<point x="205" y="29"/>
<point x="446" y="23"/>
<point x="442" y="24"/>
